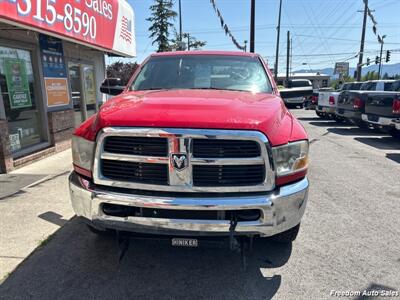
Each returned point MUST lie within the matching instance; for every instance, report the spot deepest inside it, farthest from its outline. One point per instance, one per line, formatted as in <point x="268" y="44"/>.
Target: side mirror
<point x="112" y="86"/>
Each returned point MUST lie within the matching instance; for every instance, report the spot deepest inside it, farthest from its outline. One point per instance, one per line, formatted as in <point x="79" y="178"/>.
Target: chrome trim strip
<point x="227" y="161"/>
<point x="180" y="141"/>
<point x="134" y="158"/>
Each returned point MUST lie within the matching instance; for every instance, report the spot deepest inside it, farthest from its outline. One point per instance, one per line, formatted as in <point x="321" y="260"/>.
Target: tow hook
<point x="244" y="246"/>
<point x="233" y="242"/>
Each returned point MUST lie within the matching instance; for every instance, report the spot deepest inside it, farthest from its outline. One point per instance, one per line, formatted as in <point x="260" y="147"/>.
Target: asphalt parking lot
<point x="349" y="240"/>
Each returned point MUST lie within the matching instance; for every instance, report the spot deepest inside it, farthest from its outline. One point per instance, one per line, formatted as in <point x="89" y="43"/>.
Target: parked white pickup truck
<point x="328" y="99"/>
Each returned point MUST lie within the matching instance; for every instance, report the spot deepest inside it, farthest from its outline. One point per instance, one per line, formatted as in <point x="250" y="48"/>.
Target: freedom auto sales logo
<point x="126" y="29"/>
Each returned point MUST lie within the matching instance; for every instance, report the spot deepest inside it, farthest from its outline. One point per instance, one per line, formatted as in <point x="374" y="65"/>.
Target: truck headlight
<point x="290" y="158"/>
<point x="82" y="155"/>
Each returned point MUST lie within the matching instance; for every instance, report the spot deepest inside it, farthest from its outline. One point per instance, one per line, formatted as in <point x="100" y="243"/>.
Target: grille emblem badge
<point x="179" y="161"/>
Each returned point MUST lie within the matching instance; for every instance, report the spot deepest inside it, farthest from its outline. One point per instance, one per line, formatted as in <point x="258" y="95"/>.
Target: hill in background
<point x="391" y="69"/>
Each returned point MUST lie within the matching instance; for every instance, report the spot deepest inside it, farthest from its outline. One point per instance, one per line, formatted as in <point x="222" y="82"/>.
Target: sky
<point x="323" y="31"/>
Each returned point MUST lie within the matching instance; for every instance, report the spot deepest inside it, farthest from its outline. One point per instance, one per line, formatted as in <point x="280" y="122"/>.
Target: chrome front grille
<point x="143" y="146"/>
<point x="183" y="160"/>
<point x="224" y="175"/>
<point x="225" y="148"/>
<point x="135" y="171"/>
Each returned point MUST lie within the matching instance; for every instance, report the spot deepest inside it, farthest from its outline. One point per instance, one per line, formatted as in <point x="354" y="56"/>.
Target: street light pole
<point x="380" y="58"/>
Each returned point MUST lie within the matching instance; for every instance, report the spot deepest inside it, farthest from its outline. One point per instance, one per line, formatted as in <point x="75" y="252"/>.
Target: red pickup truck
<point x="197" y="144"/>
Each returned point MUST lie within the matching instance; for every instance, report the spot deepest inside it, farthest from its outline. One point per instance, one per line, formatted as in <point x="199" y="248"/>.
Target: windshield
<point x="355" y="86"/>
<point x="391" y="86"/>
<point x="368" y="86"/>
<point x="395" y="87"/>
<point x="203" y="72"/>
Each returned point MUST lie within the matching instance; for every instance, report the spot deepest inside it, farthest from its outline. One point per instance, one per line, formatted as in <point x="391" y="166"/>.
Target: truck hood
<point x="211" y="109"/>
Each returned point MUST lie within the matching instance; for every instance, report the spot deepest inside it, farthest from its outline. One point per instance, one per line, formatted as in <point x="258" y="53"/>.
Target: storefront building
<point x="52" y="62"/>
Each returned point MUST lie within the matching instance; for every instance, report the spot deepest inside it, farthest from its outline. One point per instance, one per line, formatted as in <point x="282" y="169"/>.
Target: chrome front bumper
<point x="281" y="210"/>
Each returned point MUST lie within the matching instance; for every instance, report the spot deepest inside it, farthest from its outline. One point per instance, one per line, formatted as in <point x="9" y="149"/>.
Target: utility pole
<point x="277" y="41"/>
<point x="287" y="58"/>
<point x="252" y="25"/>
<point x="291" y="55"/>
<point x="380" y="57"/>
<point x="180" y="21"/>
<point x="360" y="56"/>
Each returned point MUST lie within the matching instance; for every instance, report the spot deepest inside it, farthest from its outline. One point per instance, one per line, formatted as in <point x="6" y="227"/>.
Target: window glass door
<point x="19" y="94"/>
<point x="83" y="89"/>
<point x="89" y="87"/>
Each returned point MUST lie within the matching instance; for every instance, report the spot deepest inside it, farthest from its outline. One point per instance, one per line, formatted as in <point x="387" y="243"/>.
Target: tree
<point x="121" y="70"/>
<point x="194" y="44"/>
<point x="371" y="75"/>
<point x="161" y="16"/>
<point x="336" y="83"/>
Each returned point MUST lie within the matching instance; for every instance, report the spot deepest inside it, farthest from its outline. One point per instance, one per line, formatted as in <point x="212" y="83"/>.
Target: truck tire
<point x="319" y="114"/>
<point x="287" y="236"/>
<point x="395" y="133"/>
<point x="362" y="124"/>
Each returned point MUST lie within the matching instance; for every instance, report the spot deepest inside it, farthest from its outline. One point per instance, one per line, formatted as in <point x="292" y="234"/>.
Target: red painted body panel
<point x="197" y="109"/>
<point x="209" y="109"/>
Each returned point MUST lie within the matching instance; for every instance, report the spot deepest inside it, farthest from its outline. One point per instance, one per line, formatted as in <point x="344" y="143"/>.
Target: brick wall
<point x="6" y="161"/>
<point x="61" y="126"/>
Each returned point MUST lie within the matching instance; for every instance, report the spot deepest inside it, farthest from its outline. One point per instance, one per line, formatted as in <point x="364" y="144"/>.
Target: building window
<point x="18" y="92"/>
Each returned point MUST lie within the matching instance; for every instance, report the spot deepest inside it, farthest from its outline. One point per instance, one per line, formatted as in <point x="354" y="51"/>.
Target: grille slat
<point x="225" y="148"/>
<point x="204" y="175"/>
<point x="135" y="172"/>
<point x="137" y="146"/>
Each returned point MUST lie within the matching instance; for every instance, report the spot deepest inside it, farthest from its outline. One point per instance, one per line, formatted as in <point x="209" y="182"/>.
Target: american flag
<point x="126" y="30"/>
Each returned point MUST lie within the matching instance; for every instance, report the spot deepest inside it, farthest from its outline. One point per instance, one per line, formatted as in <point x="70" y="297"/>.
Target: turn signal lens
<point x="82" y="155"/>
<point x="291" y="158"/>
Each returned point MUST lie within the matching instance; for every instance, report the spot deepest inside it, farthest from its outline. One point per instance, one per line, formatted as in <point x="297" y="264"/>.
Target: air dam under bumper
<point x="281" y="210"/>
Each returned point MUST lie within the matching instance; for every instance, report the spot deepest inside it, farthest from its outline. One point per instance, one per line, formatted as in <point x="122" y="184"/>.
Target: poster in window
<point x="15" y="142"/>
<point x="17" y="83"/>
<point x="89" y="85"/>
<point x="56" y="91"/>
<point x="54" y="71"/>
